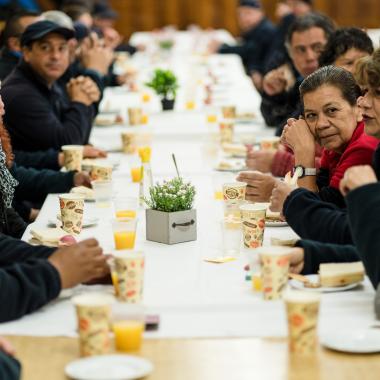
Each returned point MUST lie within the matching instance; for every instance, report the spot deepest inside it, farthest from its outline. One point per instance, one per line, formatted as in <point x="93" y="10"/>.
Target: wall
<point x="150" y="14"/>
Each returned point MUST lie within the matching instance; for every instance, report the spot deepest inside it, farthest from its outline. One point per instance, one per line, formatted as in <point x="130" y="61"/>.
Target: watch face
<point x="299" y="171"/>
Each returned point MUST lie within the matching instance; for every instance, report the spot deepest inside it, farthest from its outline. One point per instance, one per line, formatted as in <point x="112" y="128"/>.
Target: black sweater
<point x="27" y="280"/>
<point x="39" y="117"/>
<point x="46" y="159"/>
<point x="363" y="205"/>
<point x="10" y="368"/>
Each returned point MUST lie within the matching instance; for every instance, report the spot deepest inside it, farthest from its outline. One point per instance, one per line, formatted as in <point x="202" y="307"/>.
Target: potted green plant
<point x="170" y="218"/>
<point x="164" y="83"/>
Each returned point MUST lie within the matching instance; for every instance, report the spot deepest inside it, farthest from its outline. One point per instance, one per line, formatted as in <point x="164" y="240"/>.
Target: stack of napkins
<point x="50" y="237"/>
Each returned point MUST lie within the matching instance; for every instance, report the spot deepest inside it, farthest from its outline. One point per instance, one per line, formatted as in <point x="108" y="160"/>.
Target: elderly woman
<point x="344" y="48"/>
<point x="362" y="189"/>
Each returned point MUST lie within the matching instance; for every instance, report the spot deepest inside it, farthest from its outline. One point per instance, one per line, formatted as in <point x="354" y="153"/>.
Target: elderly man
<point x="256" y="38"/>
<point x="39" y="116"/>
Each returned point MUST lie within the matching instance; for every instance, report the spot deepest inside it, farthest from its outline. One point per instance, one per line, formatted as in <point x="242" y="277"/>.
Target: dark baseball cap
<point x="104" y="11"/>
<point x="40" y="29"/>
<point x="250" y="3"/>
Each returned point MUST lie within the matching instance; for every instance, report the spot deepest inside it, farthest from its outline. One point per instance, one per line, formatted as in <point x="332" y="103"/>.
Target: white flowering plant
<point x="171" y="196"/>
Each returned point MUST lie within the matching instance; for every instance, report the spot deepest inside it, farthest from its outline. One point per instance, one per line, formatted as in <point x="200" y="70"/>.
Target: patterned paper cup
<point x="73" y="155"/>
<point x="274" y="270"/>
<point x="101" y="172"/>
<point x="72" y="207"/>
<point x="302" y="311"/>
<point x="129" y="267"/>
<point x="93" y="313"/>
<point x="226" y="131"/>
<point x="229" y="112"/>
<point x="253" y="218"/>
<point x="135" y="116"/>
<point x="270" y="143"/>
<point x="129" y="142"/>
<point x="234" y="192"/>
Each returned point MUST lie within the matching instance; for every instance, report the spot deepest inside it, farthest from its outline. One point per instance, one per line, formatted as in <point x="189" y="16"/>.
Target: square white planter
<point x="171" y="227"/>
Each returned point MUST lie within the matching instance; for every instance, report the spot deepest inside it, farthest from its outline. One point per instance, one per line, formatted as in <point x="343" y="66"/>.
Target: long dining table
<point x="212" y="324"/>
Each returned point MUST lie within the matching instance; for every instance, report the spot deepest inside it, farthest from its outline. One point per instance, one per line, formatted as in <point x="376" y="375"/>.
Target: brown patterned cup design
<point x="270" y="143"/>
<point x="234" y="192"/>
<point x="229" y="112"/>
<point x="129" y="142"/>
<point x="73" y="155"/>
<point x="253" y="218"/>
<point x="302" y="310"/>
<point x="129" y="267"/>
<point x="226" y="131"/>
<point x="94" y="317"/>
<point x="135" y="115"/>
<point x="274" y="270"/>
<point x="101" y="172"/>
<point x="72" y="206"/>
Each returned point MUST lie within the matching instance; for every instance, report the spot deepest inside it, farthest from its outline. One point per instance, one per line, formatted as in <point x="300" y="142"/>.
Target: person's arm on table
<point x="10" y="367"/>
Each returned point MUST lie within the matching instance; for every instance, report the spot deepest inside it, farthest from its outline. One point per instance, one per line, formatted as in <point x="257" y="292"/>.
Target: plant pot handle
<point x="174" y="225"/>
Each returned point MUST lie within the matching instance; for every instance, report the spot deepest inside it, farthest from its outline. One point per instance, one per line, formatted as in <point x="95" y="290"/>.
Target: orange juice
<point x="218" y="195"/>
<point x="124" y="239"/>
<point x="136" y="174"/>
<point x="128" y="335"/>
<point x="257" y="284"/>
<point x="144" y="119"/>
<point x="126" y="214"/>
<point x="145" y="153"/>
<point x="212" y="118"/>
<point x="145" y="98"/>
<point x="190" y="105"/>
<point x="115" y="283"/>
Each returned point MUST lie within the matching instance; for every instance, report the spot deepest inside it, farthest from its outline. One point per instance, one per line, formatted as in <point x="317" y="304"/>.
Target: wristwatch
<point x="303" y="172"/>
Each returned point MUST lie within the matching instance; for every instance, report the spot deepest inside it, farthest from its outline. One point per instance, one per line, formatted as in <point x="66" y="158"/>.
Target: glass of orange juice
<point x="128" y="326"/>
<point x="126" y="207"/>
<point x="145" y="153"/>
<point x="136" y="169"/>
<point x="124" y="232"/>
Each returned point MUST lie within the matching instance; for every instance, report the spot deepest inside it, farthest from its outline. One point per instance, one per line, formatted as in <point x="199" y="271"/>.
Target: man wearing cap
<point x="257" y="34"/>
<point x="39" y="116"/>
<point x="10" y="54"/>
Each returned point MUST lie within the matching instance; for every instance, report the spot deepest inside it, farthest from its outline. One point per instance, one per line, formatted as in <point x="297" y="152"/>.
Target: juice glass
<point x="136" y="169"/>
<point x="145" y="153"/>
<point x="126" y="207"/>
<point x="102" y="193"/>
<point x="124" y="232"/>
<point x="128" y="326"/>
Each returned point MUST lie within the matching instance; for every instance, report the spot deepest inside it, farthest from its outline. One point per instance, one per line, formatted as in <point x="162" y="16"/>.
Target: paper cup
<point x="135" y="115"/>
<point x="302" y="310"/>
<point x="253" y="218"/>
<point x="226" y="131"/>
<point x="72" y="207"/>
<point x="101" y="172"/>
<point x="229" y="112"/>
<point x="274" y="270"/>
<point x="129" y="142"/>
<point x="129" y="267"/>
<point x="270" y="143"/>
<point x="73" y="155"/>
<point x="93" y="313"/>
<point x="234" y="192"/>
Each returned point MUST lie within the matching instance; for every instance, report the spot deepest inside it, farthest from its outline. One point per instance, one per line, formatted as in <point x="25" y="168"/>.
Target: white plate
<point x="315" y="278"/>
<point x="362" y="341"/>
<point x="275" y="223"/>
<point x="87" y="222"/>
<point x="109" y="367"/>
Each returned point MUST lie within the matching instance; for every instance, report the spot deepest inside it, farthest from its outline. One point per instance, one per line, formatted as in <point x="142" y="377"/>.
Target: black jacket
<point x="326" y="222"/>
<point x="8" y="61"/>
<point x="10" y="368"/>
<point x="363" y="205"/>
<point x="255" y="46"/>
<point x="46" y="159"/>
<point x="27" y="280"/>
<point x="40" y="118"/>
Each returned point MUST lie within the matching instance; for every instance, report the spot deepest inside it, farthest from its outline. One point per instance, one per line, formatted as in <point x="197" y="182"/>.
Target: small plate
<point x="87" y="222"/>
<point x="109" y="367"/>
<point x="362" y="341"/>
<point x="275" y="223"/>
<point x="315" y="278"/>
<point x="235" y="166"/>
